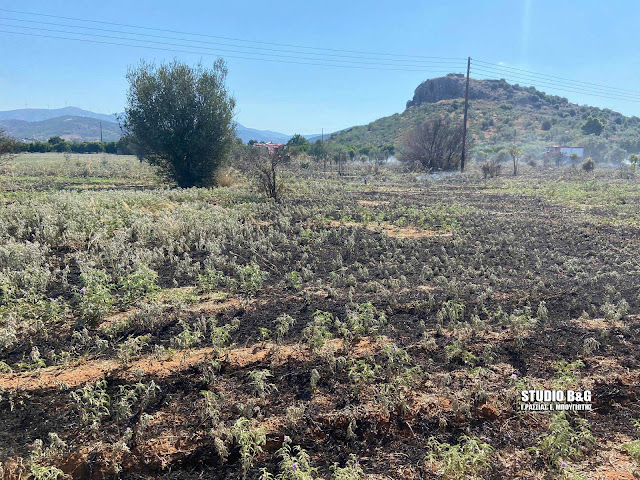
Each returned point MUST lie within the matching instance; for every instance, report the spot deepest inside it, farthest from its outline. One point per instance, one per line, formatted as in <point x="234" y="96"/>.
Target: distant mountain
<point x="246" y="134"/>
<point x="68" y="127"/>
<point x="40" y="114"/>
<point x="503" y="114"/>
<point x="73" y="123"/>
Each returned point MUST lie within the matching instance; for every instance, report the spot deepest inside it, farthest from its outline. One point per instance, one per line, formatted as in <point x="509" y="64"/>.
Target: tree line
<point x="60" y="145"/>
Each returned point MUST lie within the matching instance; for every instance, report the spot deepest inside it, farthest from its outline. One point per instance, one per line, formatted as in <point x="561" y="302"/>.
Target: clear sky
<point x="587" y="41"/>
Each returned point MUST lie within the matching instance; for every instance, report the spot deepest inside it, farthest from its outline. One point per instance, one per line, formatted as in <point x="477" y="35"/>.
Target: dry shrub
<point x="227" y="177"/>
<point x="588" y="165"/>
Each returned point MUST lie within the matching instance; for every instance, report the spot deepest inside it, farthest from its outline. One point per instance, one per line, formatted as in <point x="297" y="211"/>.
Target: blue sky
<point x="587" y="41"/>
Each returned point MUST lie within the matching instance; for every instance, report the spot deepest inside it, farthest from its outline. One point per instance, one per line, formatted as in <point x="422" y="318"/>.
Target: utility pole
<point x="464" y="125"/>
<point x="100" y="132"/>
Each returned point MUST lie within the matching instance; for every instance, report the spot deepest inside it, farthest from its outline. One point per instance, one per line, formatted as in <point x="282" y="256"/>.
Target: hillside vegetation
<point x="501" y="114"/>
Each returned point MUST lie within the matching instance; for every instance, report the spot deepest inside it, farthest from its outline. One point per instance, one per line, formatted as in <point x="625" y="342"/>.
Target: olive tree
<point x="180" y="119"/>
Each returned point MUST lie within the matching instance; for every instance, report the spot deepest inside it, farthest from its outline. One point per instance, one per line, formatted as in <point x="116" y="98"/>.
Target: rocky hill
<point x="502" y="114"/>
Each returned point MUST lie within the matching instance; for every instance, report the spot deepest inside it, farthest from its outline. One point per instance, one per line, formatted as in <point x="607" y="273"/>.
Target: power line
<point x="66" y="25"/>
<point x="565" y="86"/>
<point x="224" y="38"/>
<point x="557" y="83"/>
<point x="40" y="29"/>
<point x="512" y="77"/>
<point x="562" y="84"/>
<point x="497" y="65"/>
<point x="226" y="56"/>
<point x="392" y="61"/>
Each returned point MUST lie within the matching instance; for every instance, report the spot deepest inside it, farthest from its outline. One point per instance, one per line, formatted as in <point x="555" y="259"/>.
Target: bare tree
<point x="434" y="145"/>
<point x="7" y="148"/>
<point x="266" y="166"/>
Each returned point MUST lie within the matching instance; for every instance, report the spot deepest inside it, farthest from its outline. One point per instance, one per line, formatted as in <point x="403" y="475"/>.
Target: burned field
<point x="353" y="331"/>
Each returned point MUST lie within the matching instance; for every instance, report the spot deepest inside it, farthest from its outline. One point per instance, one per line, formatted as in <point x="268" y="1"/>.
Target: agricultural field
<point x="357" y="330"/>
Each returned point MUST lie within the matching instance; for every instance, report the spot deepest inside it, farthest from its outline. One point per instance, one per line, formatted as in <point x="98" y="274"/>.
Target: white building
<point x="566" y="151"/>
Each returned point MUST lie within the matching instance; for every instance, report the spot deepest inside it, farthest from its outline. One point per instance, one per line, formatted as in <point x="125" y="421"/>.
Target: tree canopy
<point x="180" y="118"/>
<point x="592" y="126"/>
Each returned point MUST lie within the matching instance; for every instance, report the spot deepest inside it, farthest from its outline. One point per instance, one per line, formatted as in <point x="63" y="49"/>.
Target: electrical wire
<point x="488" y="74"/>
<point x="226" y="56"/>
<point x="221" y="37"/>
<point x="96" y="35"/>
<point x="66" y="25"/>
<point x="527" y="77"/>
<point x="544" y="75"/>
<point x="320" y="55"/>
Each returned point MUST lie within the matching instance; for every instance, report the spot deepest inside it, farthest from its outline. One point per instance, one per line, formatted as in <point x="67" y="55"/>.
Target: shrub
<point x="563" y="441"/>
<point x="588" y="165"/>
<point x="95" y="298"/>
<point x="491" y="169"/>
<point x="250" y="440"/>
<point x="92" y="402"/>
<point x="226" y="177"/>
<point x="283" y="323"/>
<point x="293" y="280"/>
<point x="251" y="279"/>
<point x="592" y="126"/>
<point x="258" y="380"/>
<point x="469" y="459"/>
<point x="138" y="284"/>
<point x="351" y="471"/>
<point x="633" y="449"/>
<point x="210" y="280"/>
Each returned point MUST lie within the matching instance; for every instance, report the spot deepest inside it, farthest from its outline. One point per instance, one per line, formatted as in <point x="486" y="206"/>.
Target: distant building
<point x="269" y="145"/>
<point x="565" y="150"/>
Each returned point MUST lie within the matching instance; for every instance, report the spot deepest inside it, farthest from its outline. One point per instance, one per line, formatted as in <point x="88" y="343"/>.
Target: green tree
<point x="633" y="159"/>
<point x="502" y="156"/>
<point x="61" y="146"/>
<point x="181" y="119"/>
<point x="574" y="159"/>
<point x="298" y="145"/>
<point x="389" y="150"/>
<point x="515" y="153"/>
<point x="299" y="142"/>
<point x="592" y="126"/>
<point x="319" y="153"/>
